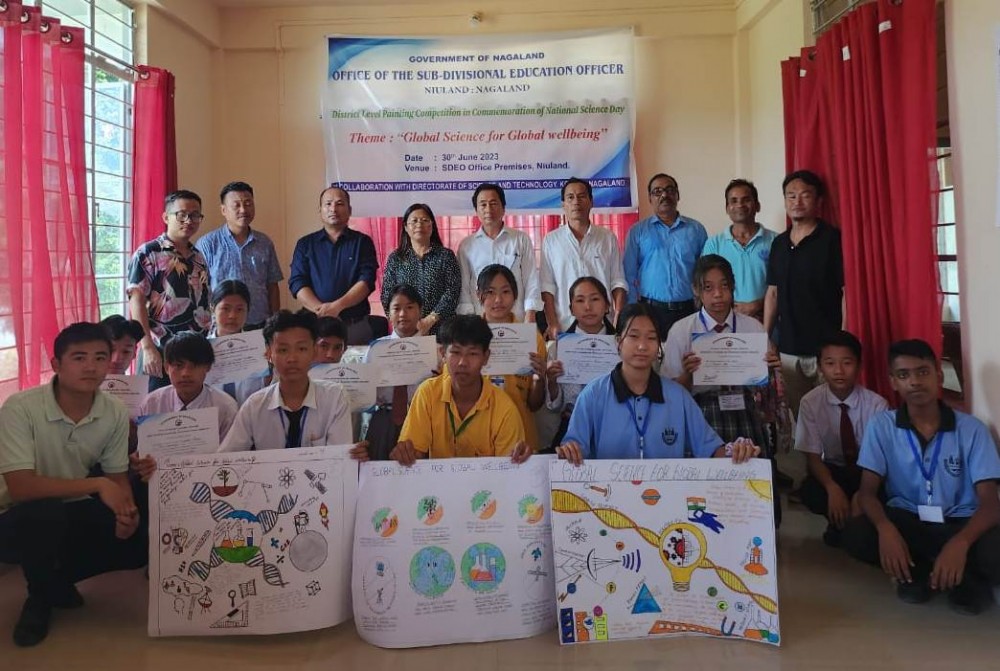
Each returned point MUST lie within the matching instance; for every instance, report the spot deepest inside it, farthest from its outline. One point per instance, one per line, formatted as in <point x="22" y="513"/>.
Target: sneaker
<point x="914" y="592"/>
<point x="66" y="597"/>
<point x="969" y="598"/>
<point x="831" y="537"/>
<point x="33" y="625"/>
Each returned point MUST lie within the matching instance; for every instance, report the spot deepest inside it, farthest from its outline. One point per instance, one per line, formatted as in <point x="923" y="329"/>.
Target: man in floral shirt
<point x="168" y="288"/>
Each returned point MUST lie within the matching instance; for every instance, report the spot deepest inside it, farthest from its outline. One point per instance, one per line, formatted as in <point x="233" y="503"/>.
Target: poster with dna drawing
<point x="671" y="547"/>
<point x="251" y="542"/>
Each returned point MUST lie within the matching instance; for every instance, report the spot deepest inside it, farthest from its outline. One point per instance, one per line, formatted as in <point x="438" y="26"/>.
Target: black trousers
<point x="925" y="540"/>
<point x="59" y="543"/>
<point x="814" y="496"/>
<point x="667" y="314"/>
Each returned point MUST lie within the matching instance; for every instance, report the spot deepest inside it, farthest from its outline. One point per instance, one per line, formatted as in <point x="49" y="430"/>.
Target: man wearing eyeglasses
<point x="168" y="284"/>
<point x="660" y="253"/>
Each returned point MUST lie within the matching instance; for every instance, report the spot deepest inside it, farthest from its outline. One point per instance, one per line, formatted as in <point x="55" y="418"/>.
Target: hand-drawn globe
<point x="432" y="571"/>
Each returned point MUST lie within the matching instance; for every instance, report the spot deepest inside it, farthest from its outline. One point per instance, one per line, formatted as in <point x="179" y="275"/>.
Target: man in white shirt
<point x="496" y="243"/>
<point x="293" y="412"/>
<point x="577" y="249"/>
<point x="188" y="358"/>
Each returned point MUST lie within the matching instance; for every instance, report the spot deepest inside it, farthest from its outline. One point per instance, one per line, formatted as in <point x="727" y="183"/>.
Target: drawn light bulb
<point x="682" y="549"/>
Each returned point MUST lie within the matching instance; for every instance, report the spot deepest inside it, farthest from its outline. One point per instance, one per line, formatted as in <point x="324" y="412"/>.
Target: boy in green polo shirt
<point x="58" y="524"/>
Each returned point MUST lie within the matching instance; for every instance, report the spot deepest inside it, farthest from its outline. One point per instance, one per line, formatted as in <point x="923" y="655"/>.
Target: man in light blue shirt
<point x="746" y="245"/>
<point x="940" y="526"/>
<point x="234" y="252"/>
<point x="660" y="253"/>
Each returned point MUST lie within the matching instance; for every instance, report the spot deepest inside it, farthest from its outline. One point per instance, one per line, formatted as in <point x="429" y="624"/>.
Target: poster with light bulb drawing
<point x="251" y="542"/>
<point x="452" y="551"/>
<point x="657" y="548"/>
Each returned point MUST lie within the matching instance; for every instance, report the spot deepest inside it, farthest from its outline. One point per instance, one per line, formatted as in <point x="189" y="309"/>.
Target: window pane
<point x="945" y="178"/>
<point x="109" y="213"/>
<point x="112" y="48"/>
<point x="946" y="207"/>
<point x="109" y="239"/>
<point x="950" y="311"/>
<point x="112" y="28"/>
<point x="949" y="276"/>
<point x="109" y="85"/>
<point x="110" y="136"/>
<point x="109" y="186"/>
<point x="106" y="264"/>
<point x="117" y="9"/>
<point x="111" y="290"/>
<point x="946" y="241"/>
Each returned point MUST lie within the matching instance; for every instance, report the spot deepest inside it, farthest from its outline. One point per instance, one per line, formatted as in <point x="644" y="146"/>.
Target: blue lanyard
<point x="645" y="422"/>
<point x="302" y="425"/>
<point x="928" y="475"/>
<point x="701" y="316"/>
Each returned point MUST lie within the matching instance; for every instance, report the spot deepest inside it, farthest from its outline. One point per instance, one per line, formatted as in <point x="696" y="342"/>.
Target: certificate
<point x="129" y="389"/>
<point x="358" y="380"/>
<point x="404" y="360"/>
<point x="585" y="357"/>
<point x="179" y="433"/>
<point x="511" y="348"/>
<point x="730" y="358"/>
<point x="237" y="357"/>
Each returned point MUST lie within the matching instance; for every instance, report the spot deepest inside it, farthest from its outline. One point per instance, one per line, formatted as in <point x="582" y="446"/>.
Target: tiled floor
<point x="835" y="614"/>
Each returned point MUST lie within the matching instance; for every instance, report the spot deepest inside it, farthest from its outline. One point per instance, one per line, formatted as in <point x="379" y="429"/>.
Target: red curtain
<point x="860" y="110"/>
<point x="385" y="232"/>
<point x="154" y="167"/>
<point x="46" y="271"/>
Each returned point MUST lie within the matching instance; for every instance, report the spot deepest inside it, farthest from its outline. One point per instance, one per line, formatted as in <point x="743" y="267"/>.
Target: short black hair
<point x="117" y="327"/>
<point x="661" y="175"/>
<point x="489" y="186"/>
<point x="576" y="180"/>
<point x="180" y="194"/>
<point x="234" y="187"/>
<point x="331" y="327"/>
<point x="77" y="333"/>
<point x="191" y="347"/>
<point x="592" y="280"/>
<point x="465" y="330"/>
<point x="347" y="196"/>
<point x="807" y="176"/>
<point x="633" y="310"/>
<point x="918" y="349"/>
<point x="227" y="288"/>
<point x="711" y="262"/>
<point x="407" y="290"/>
<point x="840" y="339"/>
<point x="489" y="273"/>
<point x="284" y="320"/>
<point x="738" y="182"/>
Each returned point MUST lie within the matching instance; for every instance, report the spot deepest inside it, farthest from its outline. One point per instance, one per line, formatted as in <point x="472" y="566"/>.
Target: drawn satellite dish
<point x="308" y="551"/>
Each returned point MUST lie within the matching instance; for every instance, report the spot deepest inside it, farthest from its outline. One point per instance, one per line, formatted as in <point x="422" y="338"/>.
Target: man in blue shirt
<point x="940" y="526"/>
<point x="660" y="252"/>
<point x="333" y="269"/>
<point x="746" y="245"/>
<point x="234" y="252"/>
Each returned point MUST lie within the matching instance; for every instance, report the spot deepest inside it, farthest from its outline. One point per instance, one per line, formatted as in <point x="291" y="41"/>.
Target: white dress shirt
<point x="565" y="260"/>
<point x="511" y="248"/>
<point x="165" y="400"/>
<point x="817" y="428"/>
<point x="261" y="425"/>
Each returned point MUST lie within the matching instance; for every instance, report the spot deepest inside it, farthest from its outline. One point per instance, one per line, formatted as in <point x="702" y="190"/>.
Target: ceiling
<point x="688" y="4"/>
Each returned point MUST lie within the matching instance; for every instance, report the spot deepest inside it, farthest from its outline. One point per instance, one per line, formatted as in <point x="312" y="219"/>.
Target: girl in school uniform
<point x="230" y="307"/>
<point x="589" y="304"/>
<point x="497" y="291"/>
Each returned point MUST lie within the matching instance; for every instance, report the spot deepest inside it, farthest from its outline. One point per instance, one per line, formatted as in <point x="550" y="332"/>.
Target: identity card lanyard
<point x="460" y="429"/>
<point x="701" y="316"/>
<point x="302" y="426"/>
<point x="928" y="475"/>
<point x="645" y="423"/>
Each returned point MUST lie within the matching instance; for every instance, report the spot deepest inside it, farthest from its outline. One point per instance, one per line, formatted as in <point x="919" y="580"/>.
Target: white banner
<point x="429" y="119"/>
<point x="251" y="542"/>
<point x="665" y="547"/>
<point x="452" y="551"/>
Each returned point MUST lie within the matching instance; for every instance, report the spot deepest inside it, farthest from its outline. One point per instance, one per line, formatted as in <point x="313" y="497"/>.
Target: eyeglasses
<point x="184" y="217"/>
<point x="656" y="193"/>
<point x="419" y="222"/>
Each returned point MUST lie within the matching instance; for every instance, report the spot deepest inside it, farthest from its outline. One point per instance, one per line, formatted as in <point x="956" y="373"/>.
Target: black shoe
<point x="66" y="597"/>
<point x="969" y="598"/>
<point x="914" y="592"/>
<point x="831" y="537"/>
<point x="33" y="625"/>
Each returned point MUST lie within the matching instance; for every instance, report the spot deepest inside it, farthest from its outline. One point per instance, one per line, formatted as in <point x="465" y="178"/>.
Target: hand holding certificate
<point x="356" y="379"/>
<point x="129" y="389"/>
<point x="237" y="357"/>
<point x="179" y="433"/>
<point x="586" y="357"/>
<point x="404" y="360"/>
<point x="511" y="348"/>
<point x="730" y="358"/>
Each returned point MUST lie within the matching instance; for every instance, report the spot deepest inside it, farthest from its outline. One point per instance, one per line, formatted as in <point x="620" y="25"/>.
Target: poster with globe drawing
<point x="656" y="548"/>
<point x="251" y="542"/>
<point x="452" y="551"/>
